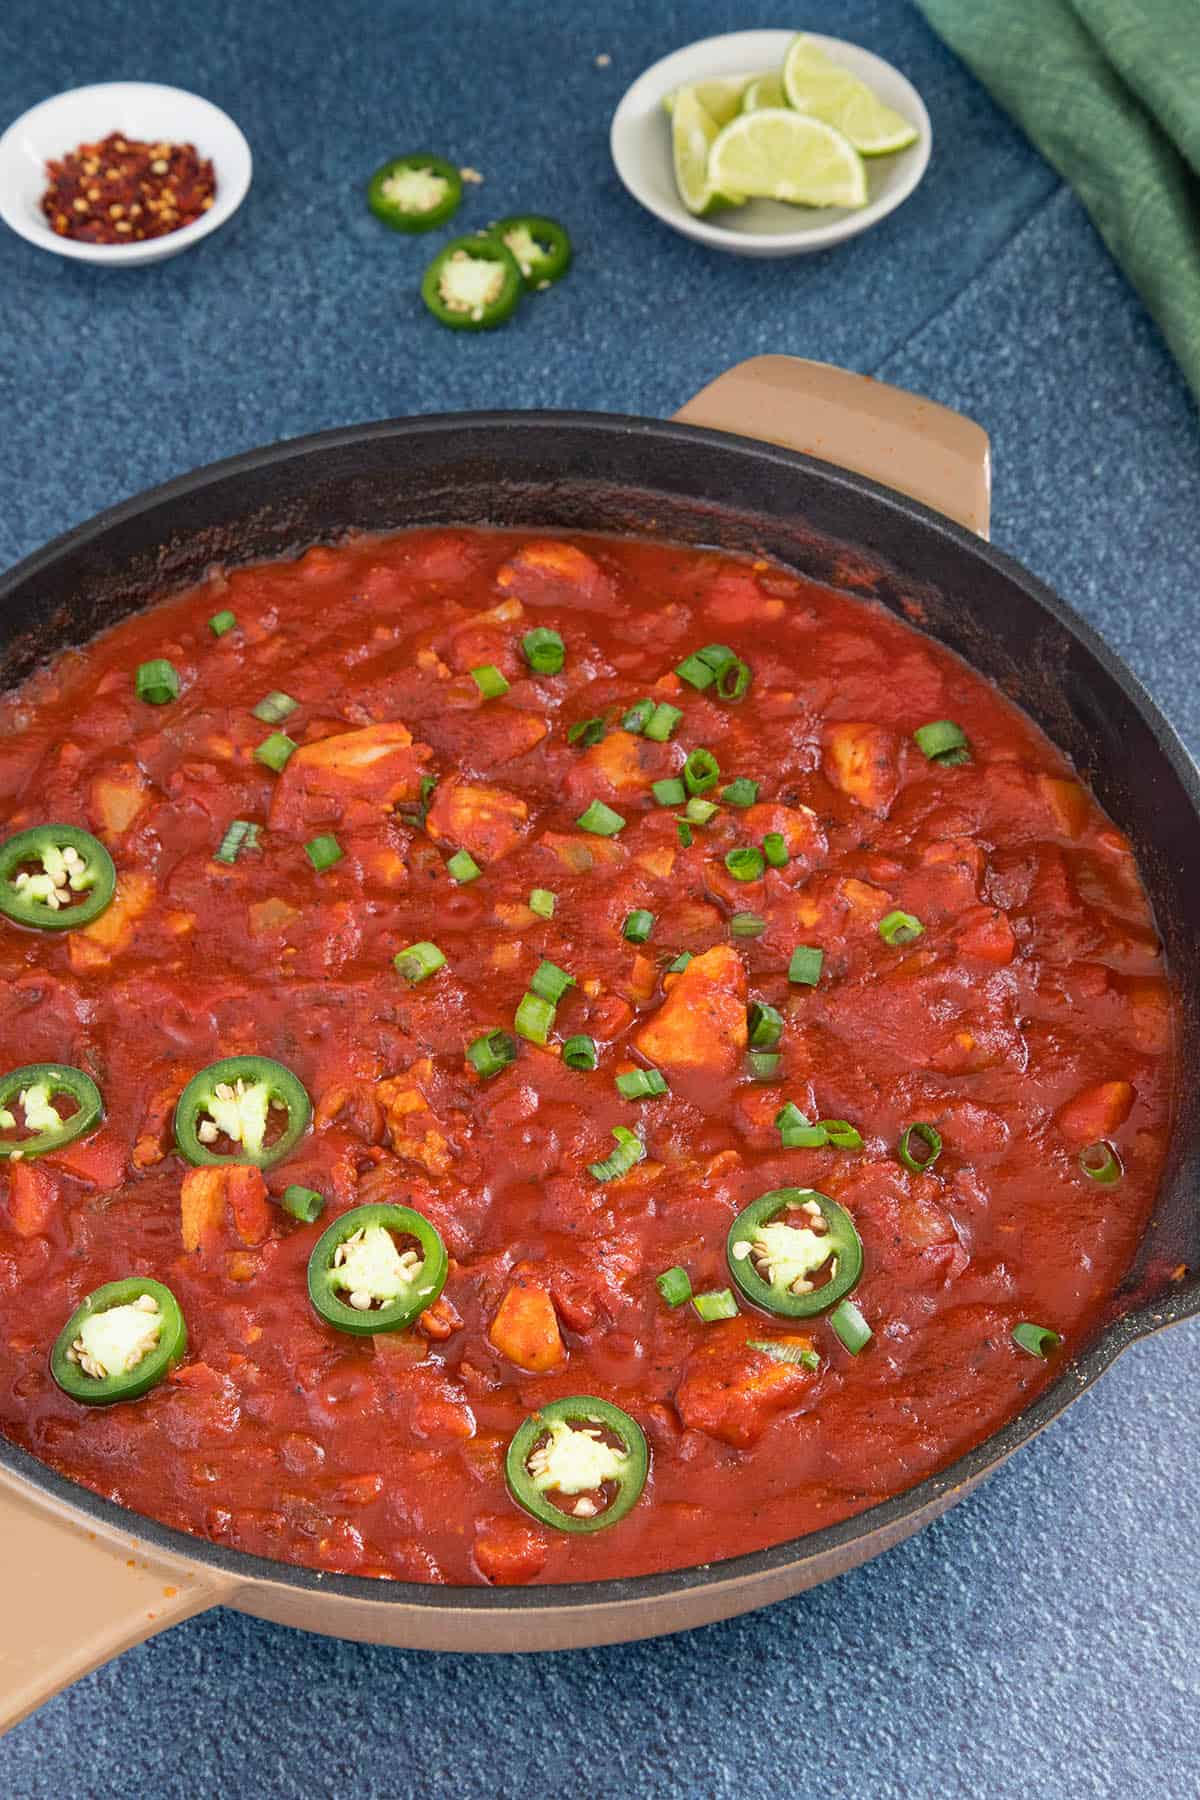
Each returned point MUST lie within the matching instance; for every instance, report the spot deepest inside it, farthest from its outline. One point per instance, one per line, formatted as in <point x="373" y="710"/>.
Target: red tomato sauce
<point x="1031" y="1016"/>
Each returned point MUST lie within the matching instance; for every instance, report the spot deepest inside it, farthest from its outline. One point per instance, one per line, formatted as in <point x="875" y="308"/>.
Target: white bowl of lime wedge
<point x="771" y="143"/>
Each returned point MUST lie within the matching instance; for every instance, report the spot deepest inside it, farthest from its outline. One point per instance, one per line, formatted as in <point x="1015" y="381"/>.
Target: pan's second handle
<point x="72" y="1599"/>
<point x="916" y="446"/>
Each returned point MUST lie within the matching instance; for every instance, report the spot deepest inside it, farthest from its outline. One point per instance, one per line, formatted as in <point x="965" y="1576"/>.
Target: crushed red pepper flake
<point x="120" y="190"/>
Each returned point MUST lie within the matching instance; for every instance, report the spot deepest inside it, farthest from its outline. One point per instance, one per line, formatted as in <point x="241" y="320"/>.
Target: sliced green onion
<point x="491" y="1053"/>
<point x="601" y="820"/>
<point x="734" y="680"/>
<point x="629" y="1151"/>
<point x="462" y="867"/>
<point x="662" y="723"/>
<point x="796" y="1132"/>
<point x="747" y="924"/>
<point x="852" y="1329"/>
<point x="550" y="982"/>
<point x="785" y="1353"/>
<point x="900" y="928"/>
<point x="775" y="849"/>
<point x="418" y="961"/>
<point x="700" y="812"/>
<point x="1038" y="1340"/>
<point x="303" y="1203"/>
<point x="543" y="650"/>
<point x="641" y="1084"/>
<point x="701" y="771"/>
<point x="534" y="1017"/>
<point x="586" y="732"/>
<point x="323" y="851"/>
<point x="762" y="1065"/>
<point x="275" y="750"/>
<point x="805" y="966"/>
<point x="222" y="622"/>
<point x="718" y="1304"/>
<point x="638" y="716"/>
<point x="674" y="1285"/>
<point x="943" y="742"/>
<point x="638" y="926"/>
<point x="241" y="835"/>
<point x="542" y="901"/>
<point x="489" y="681"/>
<point x="157" y="681"/>
<point x="670" y="792"/>
<point x="1101" y="1163"/>
<point x="274" y="708"/>
<point x="925" y="1134"/>
<point x="741" y="792"/>
<point x="681" y="962"/>
<point x="764" y="1025"/>
<point x="745" y="864"/>
<point x="416" y="818"/>
<point x="684" y="831"/>
<point x="580" y="1052"/>
<point x="841" y="1134"/>
<point x="704" y="666"/>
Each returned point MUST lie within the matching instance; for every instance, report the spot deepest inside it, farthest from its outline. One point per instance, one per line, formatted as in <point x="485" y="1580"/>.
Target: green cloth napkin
<point x="1109" y="91"/>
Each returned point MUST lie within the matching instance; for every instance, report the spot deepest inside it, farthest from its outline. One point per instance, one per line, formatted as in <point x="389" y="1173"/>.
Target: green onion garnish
<point x="534" y="1017"/>
<point x="805" y="966"/>
<point x="641" y="1084"/>
<point x="579" y="1052"/>
<point x="629" y="1151"/>
<point x="850" y="1326"/>
<point x="719" y="1304"/>
<point x="222" y="622"/>
<point x="157" y="681"/>
<point x="303" y="1203"/>
<point x="662" y="723"/>
<point x="701" y="771"/>
<point x="764" y="1025"/>
<point x="747" y="924"/>
<point x="1038" y="1340"/>
<point x="900" y="928"/>
<point x="775" y="849"/>
<point x="241" y="835"/>
<point x="1101" y="1163"/>
<point x="491" y="1053"/>
<point x="586" y="732"/>
<point x="670" y="792"/>
<point x="462" y="867"/>
<point x="674" y="1285"/>
<point x="275" y="750"/>
<point x="703" y="667"/>
<point x="601" y="820"/>
<point x="550" y="982"/>
<point x="323" y="851"/>
<point x="275" y="708"/>
<point x="542" y="901"/>
<point x="740" y="792"/>
<point x="681" y="962"/>
<point x="699" y="812"/>
<point x="419" y="961"/>
<point x="684" y="831"/>
<point x="745" y="864"/>
<point x="785" y="1353"/>
<point x="638" y="926"/>
<point x="543" y="650"/>
<point x="762" y="1065"/>
<point x="638" y="716"/>
<point x="420" y="809"/>
<point x="841" y="1134"/>
<point x="943" y="742"/>
<point x="733" y="681"/>
<point x="489" y="681"/>
<point x="796" y="1132"/>
<point x="925" y="1134"/>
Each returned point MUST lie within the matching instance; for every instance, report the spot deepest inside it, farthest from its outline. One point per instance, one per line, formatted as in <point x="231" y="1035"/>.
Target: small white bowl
<point x="138" y="109"/>
<point x="641" y="148"/>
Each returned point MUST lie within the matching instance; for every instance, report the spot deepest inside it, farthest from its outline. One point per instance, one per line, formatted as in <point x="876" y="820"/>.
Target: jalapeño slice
<point x="120" y="1343"/>
<point x="578" y="1464"/>
<point x="44" y="1124"/>
<point x="237" y="1102"/>
<point x="55" y="877"/>
<point x="472" y="284"/>
<point x="540" y="246"/>
<point x="415" y="193"/>
<point x="376" y="1268"/>
<point x="784" y="1239"/>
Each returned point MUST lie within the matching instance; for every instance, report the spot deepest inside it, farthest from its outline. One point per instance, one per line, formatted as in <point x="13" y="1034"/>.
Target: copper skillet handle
<point x="74" y="1598"/>
<point x="896" y="438"/>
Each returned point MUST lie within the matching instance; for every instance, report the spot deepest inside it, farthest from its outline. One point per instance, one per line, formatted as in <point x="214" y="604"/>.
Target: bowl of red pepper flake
<point x="123" y="172"/>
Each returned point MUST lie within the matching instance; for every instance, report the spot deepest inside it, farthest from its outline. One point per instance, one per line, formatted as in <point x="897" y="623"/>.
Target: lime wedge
<point x="779" y="155"/>
<point x="693" y="134"/>
<point x="720" y="99"/>
<point x="818" y="87"/>
<point x="764" y="90"/>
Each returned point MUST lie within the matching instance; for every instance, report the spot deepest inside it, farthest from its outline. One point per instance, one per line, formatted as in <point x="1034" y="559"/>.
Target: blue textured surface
<point x="1042" y="1637"/>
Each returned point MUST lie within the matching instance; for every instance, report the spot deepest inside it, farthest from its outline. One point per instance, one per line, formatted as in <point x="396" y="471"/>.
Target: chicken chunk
<point x="372" y="768"/>
<point x="549" y="571"/>
<point x="525" y="1328"/>
<point x="702" y="1022"/>
<point x="487" y="821"/>
<point x="95" y="945"/>
<point x="732" y="1392"/>
<point x="207" y="1192"/>
<point x="863" y="761"/>
<point x="1096" y="1112"/>
<point x="411" y="1123"/>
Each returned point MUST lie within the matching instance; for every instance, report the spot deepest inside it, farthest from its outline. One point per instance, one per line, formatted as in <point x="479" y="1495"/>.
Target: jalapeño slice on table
<point x="55" y="877"/>
<point x="376" y="1268"/>
<point x="578" y="1464"/>
<point x="794" y="1252"/>
<point x="540" y="247"/>
<point x="472" y="284"/>
<point x="44" y="1107"/>
<point x="253" y="1105"/>
<point x="122" y="1341"/>
<point x="415" y="193"/>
